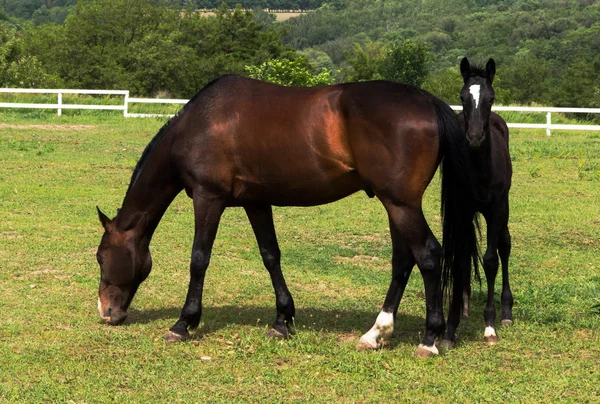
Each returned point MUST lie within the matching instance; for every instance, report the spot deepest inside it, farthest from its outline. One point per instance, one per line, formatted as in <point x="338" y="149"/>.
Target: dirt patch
<point x="48" y="127"/>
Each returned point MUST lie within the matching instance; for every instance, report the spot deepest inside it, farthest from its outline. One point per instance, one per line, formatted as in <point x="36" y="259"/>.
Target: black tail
<point x="460" y="250"/>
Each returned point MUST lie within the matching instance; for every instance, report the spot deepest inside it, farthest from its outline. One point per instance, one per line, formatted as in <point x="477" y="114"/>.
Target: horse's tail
<point x="460" y="250"/>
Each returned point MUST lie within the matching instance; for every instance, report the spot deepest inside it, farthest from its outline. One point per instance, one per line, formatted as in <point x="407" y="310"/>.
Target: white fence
<point x="59" y="106"/>
<point x="548" y="110"/>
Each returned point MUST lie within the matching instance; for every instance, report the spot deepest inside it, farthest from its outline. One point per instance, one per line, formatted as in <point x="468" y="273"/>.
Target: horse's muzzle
<point x="117" y="317"/>
<point x="112" y="317"/>
<point x="475" y="141"/>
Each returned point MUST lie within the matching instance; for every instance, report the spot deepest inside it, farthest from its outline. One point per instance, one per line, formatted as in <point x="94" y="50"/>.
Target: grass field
<point x="54" y="347"/>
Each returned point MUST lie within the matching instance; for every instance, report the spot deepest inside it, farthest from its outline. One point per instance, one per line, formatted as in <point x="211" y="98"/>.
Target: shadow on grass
<point x="408" y="328"/>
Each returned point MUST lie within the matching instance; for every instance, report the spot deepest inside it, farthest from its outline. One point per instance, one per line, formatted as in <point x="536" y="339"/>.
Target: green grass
<point x="54" y="348"/>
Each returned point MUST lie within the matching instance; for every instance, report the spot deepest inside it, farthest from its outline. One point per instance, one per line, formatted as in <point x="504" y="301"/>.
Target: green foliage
<point x="544" y="50"/>
<point x="445" y="84"/>
<point x="365" y="61"/>
<point x="289" y="73"/>
<point x="404" y="63"/>
<point x="19" y="69"/>
<point x="144" y="46"/>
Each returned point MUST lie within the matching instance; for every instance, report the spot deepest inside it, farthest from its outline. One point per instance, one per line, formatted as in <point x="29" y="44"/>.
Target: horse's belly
<point x="311" y="191"/>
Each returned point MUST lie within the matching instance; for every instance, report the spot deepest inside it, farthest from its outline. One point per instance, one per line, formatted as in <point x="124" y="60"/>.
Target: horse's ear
<point x="103" y="219"/>
<point x="490" y="69"/>
<point x="465" y="68"/>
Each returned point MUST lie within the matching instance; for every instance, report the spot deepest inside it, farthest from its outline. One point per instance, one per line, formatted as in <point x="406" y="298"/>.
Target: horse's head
<point x="477" y="96"/>
<point x="125" y="262"/>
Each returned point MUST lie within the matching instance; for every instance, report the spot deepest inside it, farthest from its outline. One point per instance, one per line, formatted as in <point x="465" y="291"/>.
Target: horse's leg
<point x="466" y="298"/>
<point x="261" y="219"/>
<point x="495" y="224"/>
<point x="461" y="294"/>
<point x="207" y="213"/>
<point x="411" y="226"/>
<point x="458" y="304"/>
<point x="504" y="246"/>
<point x="402" y="265"/>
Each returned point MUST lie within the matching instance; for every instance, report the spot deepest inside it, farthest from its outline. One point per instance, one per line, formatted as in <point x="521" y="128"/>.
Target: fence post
<point x="126" y="104"/>
<point x="548" y="122"/>
<point x="59" y="104"/>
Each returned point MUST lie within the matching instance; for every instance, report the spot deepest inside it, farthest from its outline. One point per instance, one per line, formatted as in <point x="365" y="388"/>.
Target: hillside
<point x="547" y="51"/>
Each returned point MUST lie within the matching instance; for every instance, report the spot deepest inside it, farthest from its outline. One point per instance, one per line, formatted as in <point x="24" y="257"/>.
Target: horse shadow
<point x="408" y="329"/>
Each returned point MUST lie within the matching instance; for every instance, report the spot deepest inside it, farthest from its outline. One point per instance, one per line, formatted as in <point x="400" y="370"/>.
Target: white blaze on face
<point x="474" y="90"/>
<point x="383" y="329"/>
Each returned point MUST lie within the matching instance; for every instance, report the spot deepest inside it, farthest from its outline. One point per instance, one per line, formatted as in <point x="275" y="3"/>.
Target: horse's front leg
<point x="261" y="219"/>
<point x="507" y="298"/>
<point x="207" y="213"/>
<point x="495" y="224"/>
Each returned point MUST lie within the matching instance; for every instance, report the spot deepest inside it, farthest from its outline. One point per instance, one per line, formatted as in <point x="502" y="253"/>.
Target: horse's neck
<point x="152" y="192"/>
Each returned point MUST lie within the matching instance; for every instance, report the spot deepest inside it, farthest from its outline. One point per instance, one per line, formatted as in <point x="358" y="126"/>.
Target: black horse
<point x="242" y="142"/>
<point x="487" y="135"/>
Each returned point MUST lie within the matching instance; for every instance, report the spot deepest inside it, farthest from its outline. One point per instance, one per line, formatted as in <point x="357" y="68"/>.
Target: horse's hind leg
<point x="207" y="213"/>
<point x="411" y="226"/>
<point x="504" y="247"/>
<point x="261" y="219"/>
<point x="402" y="265"/>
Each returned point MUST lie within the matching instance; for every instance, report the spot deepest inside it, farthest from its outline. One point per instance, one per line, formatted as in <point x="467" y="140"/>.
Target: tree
<point x="527" y="78"/>
<point x="406" y="63"/>
<point x="365" y="61"/>
<point x="289" y="73"/>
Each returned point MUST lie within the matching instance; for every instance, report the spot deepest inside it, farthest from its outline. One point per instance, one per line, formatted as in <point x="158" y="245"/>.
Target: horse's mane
<point x="161" y="133"/>
<point x="155" y="140"/>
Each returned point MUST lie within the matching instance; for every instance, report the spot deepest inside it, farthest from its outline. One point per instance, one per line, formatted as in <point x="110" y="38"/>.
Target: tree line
<point x="547" y="51"/>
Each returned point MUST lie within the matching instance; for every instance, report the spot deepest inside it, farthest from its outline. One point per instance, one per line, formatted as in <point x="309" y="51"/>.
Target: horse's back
<point x="304" y="146"/>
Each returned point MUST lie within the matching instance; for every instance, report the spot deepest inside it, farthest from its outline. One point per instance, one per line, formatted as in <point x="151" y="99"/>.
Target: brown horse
<point x="242" y="142"/>
<point x="487" y="134"/>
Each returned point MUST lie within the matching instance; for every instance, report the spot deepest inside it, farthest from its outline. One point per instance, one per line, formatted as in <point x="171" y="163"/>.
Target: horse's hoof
<point x="424" y="351"/>
<point x="364" y="345"/>
<point x="447" y="344"/>
<point x="273" y="333"/>
<point x="491" y="340"/>
<point x="175" y="337"/>
<point x="506" y="321"/>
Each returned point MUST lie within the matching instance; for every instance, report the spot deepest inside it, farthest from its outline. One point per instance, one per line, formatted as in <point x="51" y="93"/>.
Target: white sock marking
<point x="489" y="332"/>
<point x="474" y="90"/>
<point x="383" y="329"/>
<point x="433" y="349"/>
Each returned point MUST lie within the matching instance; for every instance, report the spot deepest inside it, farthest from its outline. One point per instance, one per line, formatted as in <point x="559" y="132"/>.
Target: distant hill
<point x="547" y="51"/>
<point x="56" y="11"/>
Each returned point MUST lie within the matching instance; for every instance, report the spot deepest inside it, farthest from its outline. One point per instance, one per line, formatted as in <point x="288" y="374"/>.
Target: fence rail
<point x="59" y="106"/>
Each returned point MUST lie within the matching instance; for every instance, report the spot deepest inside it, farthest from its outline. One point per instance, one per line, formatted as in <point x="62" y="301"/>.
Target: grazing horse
<point x="243" y="142"/>
<point x="487" y="135"/>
